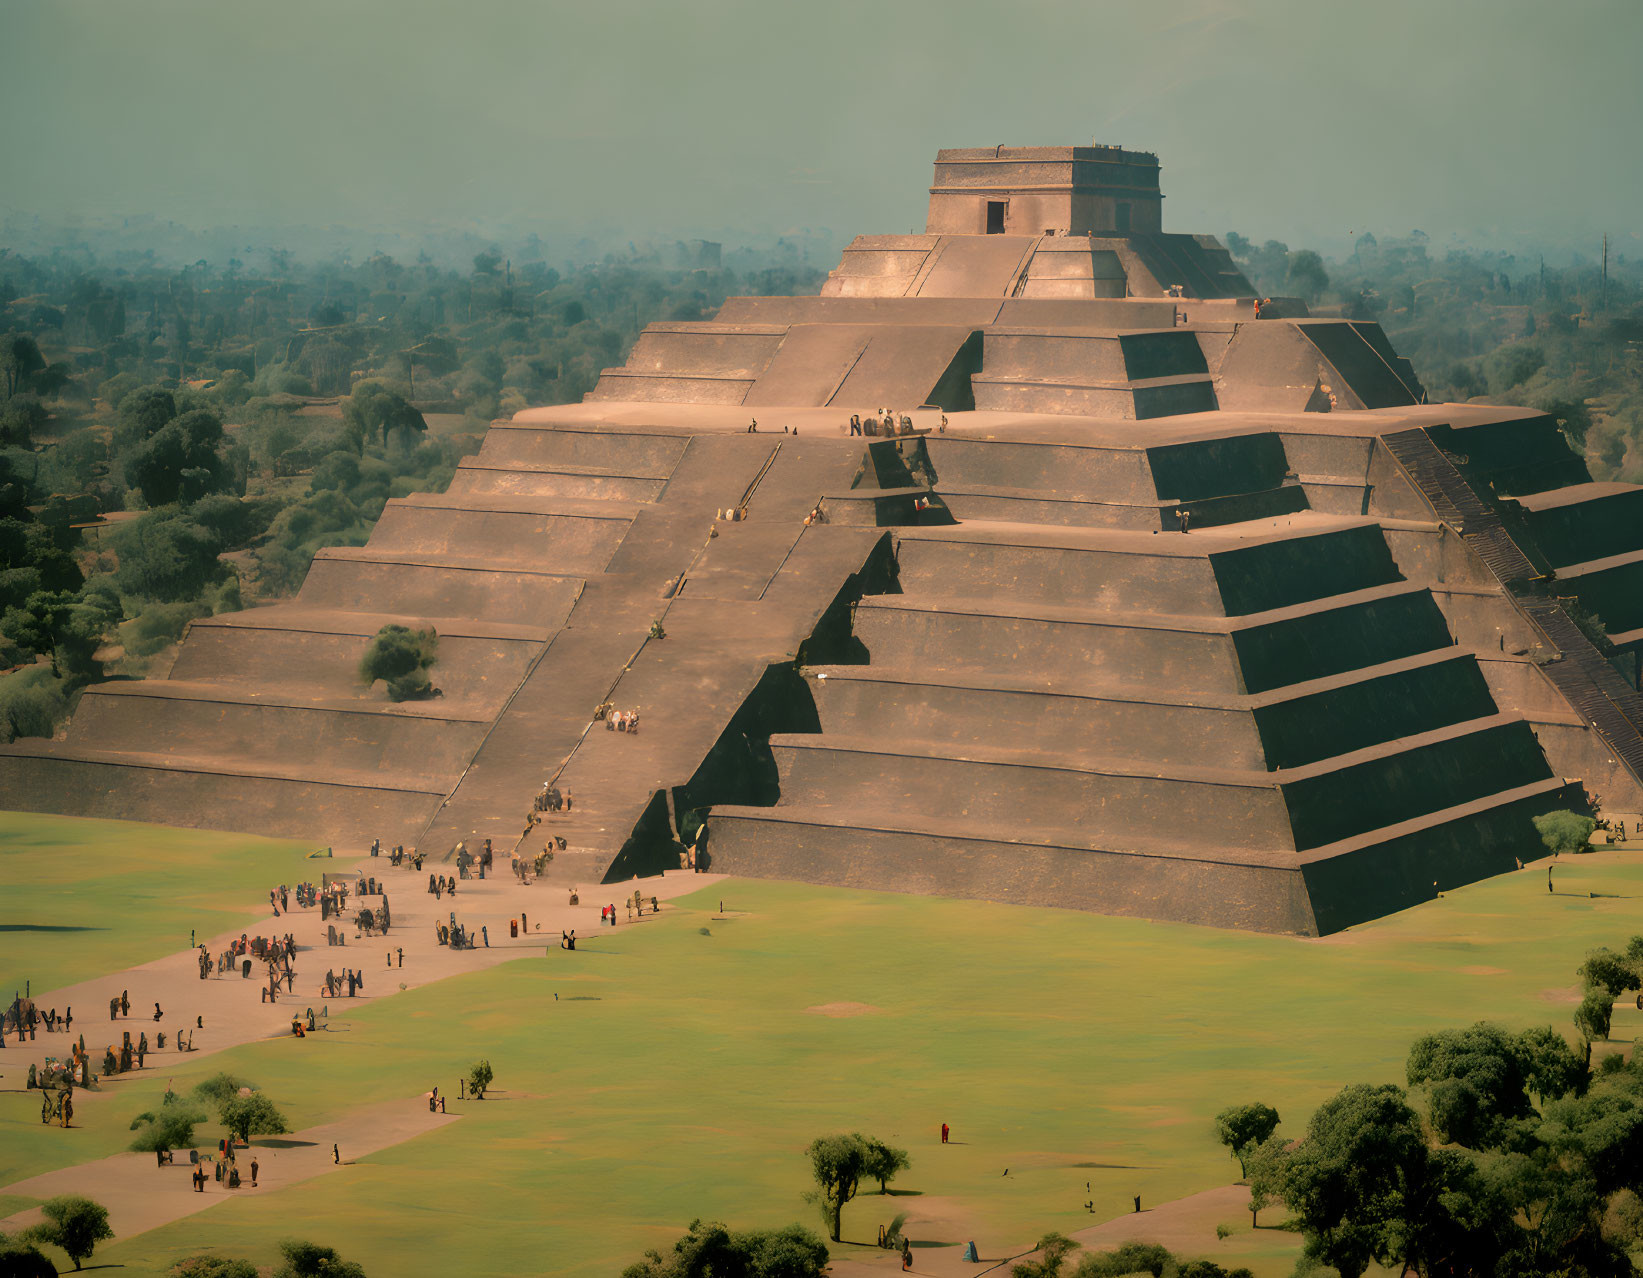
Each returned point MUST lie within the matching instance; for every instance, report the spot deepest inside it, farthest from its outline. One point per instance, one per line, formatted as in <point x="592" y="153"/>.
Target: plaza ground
<point x="677" y="1070"/>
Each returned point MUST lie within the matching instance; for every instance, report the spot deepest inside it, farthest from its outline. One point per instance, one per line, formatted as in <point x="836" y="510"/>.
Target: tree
<point x="20" y="359"/>
<point x="709" y="1250"/>
<point x="479" y="1078"/>
<point x="1052" y="1252"/>
<point x="68" y="626"/>
<point x="208" y="1266"/>
<point x="1606" y="970"/>
<point x="171" y="1128"/>
<point x="373" y="410"/>
<point x="1480" y="1077"/>
<point x="166" y="555"/>
<point x="179" y="462"/>
<point x="1242" y="1127"/>
<point x="1306" y="277"/>
<point x="1593" y="1015"/>
<point x="309" y="1260"/>
<point x="143" y="412"/>
<point x="884" y="1161"/>
<point x="1565" y="831"/>
<point x="76" y="1225"/>
<point x="1350" y="1181"/>
<point x="400" y="657"/>
<point x="1125" y="1260"/>
<point x="253" y="1115"/>
<point x="838" y="1164"/>
<point x="1266" y="1167"/>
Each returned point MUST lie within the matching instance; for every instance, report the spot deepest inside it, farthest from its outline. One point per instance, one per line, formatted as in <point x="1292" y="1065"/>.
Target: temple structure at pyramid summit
<point x="1168" y="602"/>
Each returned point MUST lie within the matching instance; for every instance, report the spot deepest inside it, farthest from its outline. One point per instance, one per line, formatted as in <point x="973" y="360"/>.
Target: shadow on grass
<point x="274" y="1142"/>
<point x="47" y="927"/>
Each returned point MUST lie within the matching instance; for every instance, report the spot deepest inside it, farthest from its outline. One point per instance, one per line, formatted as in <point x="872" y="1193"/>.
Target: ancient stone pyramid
<point x="1173" y="602"/>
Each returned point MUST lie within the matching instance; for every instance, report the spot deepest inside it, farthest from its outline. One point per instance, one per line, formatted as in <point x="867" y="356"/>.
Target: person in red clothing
<point x="944" y="1130"/>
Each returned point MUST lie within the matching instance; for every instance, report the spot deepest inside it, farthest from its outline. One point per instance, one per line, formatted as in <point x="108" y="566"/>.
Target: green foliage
<point x="248" y="1116"/>
<point x="1615" y="974"/>
<point x="837" y="1163"/>
<point x="1565" y="831"/>
<point x="884" y="1162"/>
<point x="209" y="1266"/>
<point x="33" y="702"/>
<point x="167" y="555"/>
<point x="1241" y="1127"/>
<point x="142" y="413"/>
<point x="172" y="1127"/>
<point x="20" y="361"/>
<point x="709" y="1250"/>
<point x="221" y="1087"/>
<point x="479" y="1078"/>
<point x="1352" y="1180"/>
<point x="1266" y="1167"/>
<point x="1480" y="1078"/>
<point x="160" y="625"/>
<point x="180" y="461"/>
<point x="1128" y="1259"/>
<point x="20" y="1258"/>
<point x="373" y="410"/>
<point x="20" y="417"/>
<point x="1595" y="1012"/>
<point x="1049" y="1256"/>
<point x="76" y="1225"/>
<point x="1305" y="276"/>
<point x="324" y="519"/>
<point x="401" y="658"/>
<point x="309" y="1260"/>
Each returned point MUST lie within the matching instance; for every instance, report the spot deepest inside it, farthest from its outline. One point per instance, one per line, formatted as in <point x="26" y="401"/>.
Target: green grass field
<point x="82" y="898"/>
<point x="680" y="1075"/>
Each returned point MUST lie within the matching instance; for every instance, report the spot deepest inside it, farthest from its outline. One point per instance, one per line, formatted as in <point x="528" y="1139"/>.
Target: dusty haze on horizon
<point x="1506" y="120"/>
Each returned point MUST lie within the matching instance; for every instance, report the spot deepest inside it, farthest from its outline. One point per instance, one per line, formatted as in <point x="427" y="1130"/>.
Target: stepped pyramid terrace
<point x="1162" y="600"/>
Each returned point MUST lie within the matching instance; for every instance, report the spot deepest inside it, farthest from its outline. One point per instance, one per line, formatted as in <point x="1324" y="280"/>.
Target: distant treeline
<point x="175" y="443"/>
<point x="1492" y="327"/>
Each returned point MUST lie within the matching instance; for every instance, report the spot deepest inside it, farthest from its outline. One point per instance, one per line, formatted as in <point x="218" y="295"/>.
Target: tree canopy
<point x="709" y="1250"/>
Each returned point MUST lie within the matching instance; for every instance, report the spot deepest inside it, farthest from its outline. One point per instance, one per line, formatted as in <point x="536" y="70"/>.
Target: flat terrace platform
<point x="1046" y="428"/>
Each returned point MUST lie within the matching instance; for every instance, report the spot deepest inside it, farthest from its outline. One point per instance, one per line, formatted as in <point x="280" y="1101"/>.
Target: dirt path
<point x="140" y="1196"/>
<point x="1186" y="1226"/>
<point x="226" y="1011"/>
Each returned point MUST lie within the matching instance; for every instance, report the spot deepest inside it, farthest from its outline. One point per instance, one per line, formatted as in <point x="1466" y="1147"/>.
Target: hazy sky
<point x="1302" y="119"/>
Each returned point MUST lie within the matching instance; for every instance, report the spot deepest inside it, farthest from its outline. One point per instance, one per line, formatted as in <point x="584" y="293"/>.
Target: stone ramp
<point x="727" y="621"/>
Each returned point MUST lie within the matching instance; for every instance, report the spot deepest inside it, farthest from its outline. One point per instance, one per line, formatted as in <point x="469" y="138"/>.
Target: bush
<point x="479" y="1078"/>
<point x="710" y="1248"/>
<point x="33" y="702"/>
<point x="309" y="1260"/>
<point x="401" y="657"/>
<point x="213" y="1267"/>
<point x="160" y="625"/>
<point x="220" y="1088"/>
<point x="172" y="1128"/>
<point x="20" y="1258"/>
<point x="1565" y="831"/>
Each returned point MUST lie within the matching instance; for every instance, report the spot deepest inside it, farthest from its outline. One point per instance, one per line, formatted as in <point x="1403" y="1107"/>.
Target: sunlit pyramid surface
<point x="1134" y="593"/>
